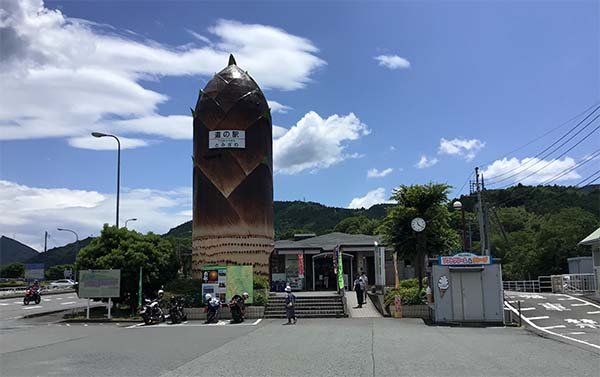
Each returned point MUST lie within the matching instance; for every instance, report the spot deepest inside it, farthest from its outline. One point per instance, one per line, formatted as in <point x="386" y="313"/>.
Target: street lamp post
<point x="133" y="219"/>
<point x="458" y="206"/>
<point x="100" y="134"/>
<point x="76" y="238"/>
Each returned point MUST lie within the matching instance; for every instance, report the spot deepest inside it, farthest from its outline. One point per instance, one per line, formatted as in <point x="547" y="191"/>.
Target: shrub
<point x="190" y="290"/>
<point x="260" y="298"/>
<point x="409" y="296"/>
<point x="261" y="282"/>
<point x="409" y="283"/>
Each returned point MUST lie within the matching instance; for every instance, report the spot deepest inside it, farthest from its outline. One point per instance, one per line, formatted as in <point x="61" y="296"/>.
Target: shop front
<point x="308" y="264"/>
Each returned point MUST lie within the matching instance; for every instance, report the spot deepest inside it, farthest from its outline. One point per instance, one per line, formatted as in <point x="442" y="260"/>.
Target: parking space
<point x="565" y="317"/>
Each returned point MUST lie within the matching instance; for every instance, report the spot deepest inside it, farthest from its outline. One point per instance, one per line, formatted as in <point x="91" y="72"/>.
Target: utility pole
<point x="45" y="241"/>
<point x="482" y="217"/>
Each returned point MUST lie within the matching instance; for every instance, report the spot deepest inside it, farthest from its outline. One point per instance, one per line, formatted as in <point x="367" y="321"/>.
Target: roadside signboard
<point x="464" y="259"/>
<point x="34" y="271"/>
<point x="226" y="139"/>
<point x="99" y="283"/>
<point x="240" y="279"/>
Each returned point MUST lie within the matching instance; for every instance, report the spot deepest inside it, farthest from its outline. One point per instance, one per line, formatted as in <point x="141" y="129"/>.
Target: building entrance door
<point x="323" y="276"/>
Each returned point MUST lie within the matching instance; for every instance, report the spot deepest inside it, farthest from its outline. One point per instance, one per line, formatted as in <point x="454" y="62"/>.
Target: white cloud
<point x="199" y="36"/>
<point x="315" y="143"/>
<point x="393" y="62"/>
<point x="375" y="173"/>
<point x="523" y="168"/>
<point x="106" y="143"/>
<point x="29" y="211"/>
<point x="64" y="77"/>
<point x="278" y="131"/>
<point x="461" y="147"/>
<point x="426" y="162"/>
<point x="277" y="107"/>
<point x="373" y="197"/>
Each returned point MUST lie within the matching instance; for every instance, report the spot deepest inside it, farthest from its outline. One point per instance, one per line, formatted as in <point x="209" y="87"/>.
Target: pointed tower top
<point x="231" y="60"/>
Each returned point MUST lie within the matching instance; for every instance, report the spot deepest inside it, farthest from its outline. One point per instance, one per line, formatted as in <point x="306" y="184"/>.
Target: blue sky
<point x="368" y="86"/>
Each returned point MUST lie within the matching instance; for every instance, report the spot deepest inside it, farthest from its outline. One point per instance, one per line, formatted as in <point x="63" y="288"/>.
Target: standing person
<point x="290" y="306"/>
<point x="358" y="287"/>
<point x="365" y="280"/>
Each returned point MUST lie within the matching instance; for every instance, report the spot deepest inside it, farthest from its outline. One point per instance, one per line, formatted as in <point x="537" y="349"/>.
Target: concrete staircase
<point x="307" y="306"/>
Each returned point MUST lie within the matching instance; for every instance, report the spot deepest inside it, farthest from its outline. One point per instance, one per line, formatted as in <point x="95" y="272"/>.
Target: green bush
<point x="260" y="298"/>
<point x="409" y="283"/>
<point x="261" y="282"/>
<point x="409" y="296"/>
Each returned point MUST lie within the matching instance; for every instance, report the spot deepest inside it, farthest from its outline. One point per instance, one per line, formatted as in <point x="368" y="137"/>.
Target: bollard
<point x="519" y="306"/>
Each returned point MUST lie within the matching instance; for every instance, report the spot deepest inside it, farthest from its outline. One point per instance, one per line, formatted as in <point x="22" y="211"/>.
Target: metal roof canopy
<point x="592" y="239"/>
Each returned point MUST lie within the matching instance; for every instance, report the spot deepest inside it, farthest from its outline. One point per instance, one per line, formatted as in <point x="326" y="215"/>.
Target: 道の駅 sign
<point x="226" y="139"/>
<point x="464" y="259"/>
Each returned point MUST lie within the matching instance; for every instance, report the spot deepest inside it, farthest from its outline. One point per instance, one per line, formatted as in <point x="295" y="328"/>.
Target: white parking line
<point x="598" y="312"/>
<point x="576" y="333"/>
<point x="526" y="309"/>
<point x="554" y="327"/>
<point x="68" y="302"/>
<point x="3" y="304"/>
<point x="586" y="304"/>
<point x="566" y="299"/>
<point x="59" y="298"/>
<point x="554" y="333"/>
<point x="32" y="307"/>
<point x="536" y="318"/>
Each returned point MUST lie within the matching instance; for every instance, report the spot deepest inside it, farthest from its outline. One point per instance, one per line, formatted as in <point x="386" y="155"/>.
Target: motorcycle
<point x="176" y="314"/>
<point x="151" y="312"/>
<point x="212" y="310"/>
<point x="32" y="294"/>
<point x="237" y="309"/>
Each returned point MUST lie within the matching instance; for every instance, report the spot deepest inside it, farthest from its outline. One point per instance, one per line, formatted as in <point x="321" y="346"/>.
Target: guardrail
<point x="521" y="285"/>
<point x="18" y="291"/>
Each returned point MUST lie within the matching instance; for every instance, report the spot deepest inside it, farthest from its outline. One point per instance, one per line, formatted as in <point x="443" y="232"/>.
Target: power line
<point x="529" y="143"/>
<point x="584" y="161"/>
<point x="557" y="158"/>
<point x="537" y="160"/>
<point x="588" y="177"/>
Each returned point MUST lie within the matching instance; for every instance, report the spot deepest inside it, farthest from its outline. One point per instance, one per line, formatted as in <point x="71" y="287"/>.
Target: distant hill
<point x="60" y="255"/>
<point x="13" y="251"/>
<point x="302" y="217"/>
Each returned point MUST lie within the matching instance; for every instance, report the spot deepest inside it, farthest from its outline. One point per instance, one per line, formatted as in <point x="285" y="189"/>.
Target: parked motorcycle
<point x="237" y="309"/>
<point x="151" y="312"/>
<point x="176" y="314"/>
<point x="32" y="294"/>
<point x="212" y="309"/>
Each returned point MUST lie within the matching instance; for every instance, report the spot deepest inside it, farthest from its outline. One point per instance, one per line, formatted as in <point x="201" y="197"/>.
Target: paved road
<point x="319" y="347"/>
<point x="565" y="317"/>
<point x="13" y="308"/>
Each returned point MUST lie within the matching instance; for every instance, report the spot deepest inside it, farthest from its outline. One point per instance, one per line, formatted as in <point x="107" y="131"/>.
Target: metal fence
<point x="521" y="285"/>
<point x="567" y="283"/>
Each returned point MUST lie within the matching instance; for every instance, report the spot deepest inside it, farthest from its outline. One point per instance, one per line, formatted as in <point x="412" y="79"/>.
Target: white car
<point x="63" y="283"/>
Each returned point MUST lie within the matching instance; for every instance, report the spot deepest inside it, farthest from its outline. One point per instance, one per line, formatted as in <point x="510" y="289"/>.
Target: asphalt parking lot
<point x="563" y="317"/>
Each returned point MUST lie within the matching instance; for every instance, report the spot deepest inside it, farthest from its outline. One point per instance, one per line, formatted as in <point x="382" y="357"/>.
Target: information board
<point x="99" y="283"/>
<point x="240" y="279"/>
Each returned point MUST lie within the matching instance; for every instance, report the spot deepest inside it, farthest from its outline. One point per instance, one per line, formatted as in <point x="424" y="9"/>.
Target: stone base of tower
<point x="231" y="250"/>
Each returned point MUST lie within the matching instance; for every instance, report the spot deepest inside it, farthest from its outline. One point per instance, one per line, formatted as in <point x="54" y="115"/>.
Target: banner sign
<point x="34" y="271"/>
<point x="99" y="283"/>
<point x="301" y="265"/>
<point x="240" y="279"/>
<point x="226" y="139"/>
<point x="464" y="259"/>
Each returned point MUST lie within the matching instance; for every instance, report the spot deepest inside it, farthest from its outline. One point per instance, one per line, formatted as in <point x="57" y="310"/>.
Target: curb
<point x="101" y="320"/>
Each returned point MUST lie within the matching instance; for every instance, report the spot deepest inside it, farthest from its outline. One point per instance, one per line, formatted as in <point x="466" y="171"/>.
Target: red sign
<point x="300" y="265"/>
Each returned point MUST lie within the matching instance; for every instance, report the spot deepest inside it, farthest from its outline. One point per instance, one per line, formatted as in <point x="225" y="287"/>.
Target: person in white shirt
<point x="365" y="280"/>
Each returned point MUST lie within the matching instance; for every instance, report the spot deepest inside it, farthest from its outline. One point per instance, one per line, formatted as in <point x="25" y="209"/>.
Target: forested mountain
<point x="13" y="251"/>
<point x="60" y="255"/>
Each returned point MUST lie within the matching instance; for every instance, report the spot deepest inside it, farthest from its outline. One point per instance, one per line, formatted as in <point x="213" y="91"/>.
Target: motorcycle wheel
<point x="174" y="318"/>
<point x="38" y="300"/>
<point x="25" y="301"/>
<point x="147" y="320"/>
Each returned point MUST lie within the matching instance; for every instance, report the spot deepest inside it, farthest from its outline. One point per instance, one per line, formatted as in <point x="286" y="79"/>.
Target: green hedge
<point x="409" y="296"/>
<point x="189" y="289"/>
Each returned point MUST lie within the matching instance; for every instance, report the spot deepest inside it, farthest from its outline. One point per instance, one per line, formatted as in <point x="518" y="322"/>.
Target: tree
<point x="430" y="203"/>
<point x="13" y="271"/>
<point x="129" y="250"/>
<point x="58" y="271"/>
<point x="357" y="225"/>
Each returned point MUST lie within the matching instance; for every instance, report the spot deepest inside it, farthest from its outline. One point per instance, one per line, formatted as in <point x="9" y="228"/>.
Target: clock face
<point x="418" y="224"/>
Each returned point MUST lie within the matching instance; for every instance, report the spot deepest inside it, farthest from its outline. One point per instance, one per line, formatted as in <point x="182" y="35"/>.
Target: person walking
<point x="290" y="306"/>
<point x="358" y="287"/>
<point x="365" y="280"/>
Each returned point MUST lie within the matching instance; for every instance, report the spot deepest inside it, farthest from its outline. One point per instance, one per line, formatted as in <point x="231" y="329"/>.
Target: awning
<point x="592" y="239"/>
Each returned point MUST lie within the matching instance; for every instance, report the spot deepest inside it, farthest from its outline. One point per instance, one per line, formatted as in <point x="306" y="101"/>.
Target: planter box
<point x="224" y="313"/>
<point x="413" y="311"/>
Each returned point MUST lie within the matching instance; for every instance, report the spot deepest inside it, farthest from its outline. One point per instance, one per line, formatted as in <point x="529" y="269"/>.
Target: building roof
<point x="592" y="239"/>
<point x="329" y="241"/>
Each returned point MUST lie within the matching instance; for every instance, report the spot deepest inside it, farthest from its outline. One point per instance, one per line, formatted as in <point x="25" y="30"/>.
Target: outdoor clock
<point x="418" y="224"/>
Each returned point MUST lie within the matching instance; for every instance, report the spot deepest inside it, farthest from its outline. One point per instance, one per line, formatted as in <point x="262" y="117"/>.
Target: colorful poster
<point x="240" y="279"/>
<point x="464" y="259"/>
<point x="215" y="277"/>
